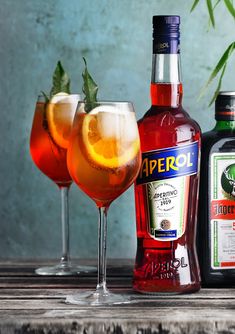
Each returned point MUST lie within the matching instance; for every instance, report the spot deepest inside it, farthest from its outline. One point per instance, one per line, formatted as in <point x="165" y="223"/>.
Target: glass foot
<point x="62" y="270"/>
<point x="89" y="298"/>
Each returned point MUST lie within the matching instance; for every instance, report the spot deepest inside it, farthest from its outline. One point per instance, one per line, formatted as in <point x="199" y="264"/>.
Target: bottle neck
<point x="166" y="86"/>
<point x="224" y="125"/>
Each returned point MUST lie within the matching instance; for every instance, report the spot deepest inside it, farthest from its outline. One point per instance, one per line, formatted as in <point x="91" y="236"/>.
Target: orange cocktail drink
<point x="50" y="136"/>
<point x="104" y="152"/>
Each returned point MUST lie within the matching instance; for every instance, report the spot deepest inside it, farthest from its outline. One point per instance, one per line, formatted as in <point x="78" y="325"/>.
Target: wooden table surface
<point x="35" y="304"/>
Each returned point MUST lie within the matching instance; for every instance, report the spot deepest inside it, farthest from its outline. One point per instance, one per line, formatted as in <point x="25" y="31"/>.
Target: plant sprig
<point x="90" y="89"/>
<point x="220" y="66"/>
<point x="229" y="5"/>
<point x="211" y="8"/>
<point x="60" y="82"/>
<point x="222" y="63"/>
<point x="211" y="12"/>
<point x="195" y="3"/>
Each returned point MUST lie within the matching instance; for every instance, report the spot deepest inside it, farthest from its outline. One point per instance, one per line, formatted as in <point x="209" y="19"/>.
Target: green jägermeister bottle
<point x="216" y="233"/>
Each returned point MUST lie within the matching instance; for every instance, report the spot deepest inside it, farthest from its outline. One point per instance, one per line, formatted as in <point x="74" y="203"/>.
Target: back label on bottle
<point x="165" y="175"/>
<point x="222" y="210"/>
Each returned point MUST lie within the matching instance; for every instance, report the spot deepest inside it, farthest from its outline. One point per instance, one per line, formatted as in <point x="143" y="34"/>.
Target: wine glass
<point x="104" y="160"/>
<point x="49" y="140"/>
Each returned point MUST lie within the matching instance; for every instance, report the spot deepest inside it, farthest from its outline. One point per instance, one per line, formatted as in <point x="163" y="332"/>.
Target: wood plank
<point x="36" y="305"/>
<point x="60" y="282"/>
<point x="118" y="320"/>
<point x="205" y="294"/>
<point x="114" y="327"/>
<point x="20" y="274"/>
<point x="59" y="303"/>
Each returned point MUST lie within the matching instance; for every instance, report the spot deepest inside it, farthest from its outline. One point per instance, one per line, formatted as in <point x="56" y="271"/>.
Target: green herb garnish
<point x="90" y="89"/>
<point x="60" y="82"/>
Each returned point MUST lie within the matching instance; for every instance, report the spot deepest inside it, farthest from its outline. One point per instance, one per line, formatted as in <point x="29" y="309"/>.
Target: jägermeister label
<point x="222" y="213"/>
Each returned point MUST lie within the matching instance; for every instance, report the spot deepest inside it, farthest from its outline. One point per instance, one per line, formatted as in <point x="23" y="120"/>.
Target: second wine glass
<point x="49" y="140"/>
<point x="103" y="160"/>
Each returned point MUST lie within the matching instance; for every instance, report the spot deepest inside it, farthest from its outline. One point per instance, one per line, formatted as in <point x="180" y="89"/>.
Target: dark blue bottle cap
<point x="166" y="19"/>
<point x="166" y="35"/>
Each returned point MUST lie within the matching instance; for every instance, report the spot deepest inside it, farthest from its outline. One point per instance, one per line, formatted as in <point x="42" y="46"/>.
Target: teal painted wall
<point x="115" y="37"/>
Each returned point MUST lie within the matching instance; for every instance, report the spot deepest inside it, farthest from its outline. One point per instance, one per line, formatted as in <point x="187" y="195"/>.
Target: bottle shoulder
<point x="218" y="141"/>
<point x="165" y="127"/>
<point x="165" y="116"/>
<point x="217" y="134"/>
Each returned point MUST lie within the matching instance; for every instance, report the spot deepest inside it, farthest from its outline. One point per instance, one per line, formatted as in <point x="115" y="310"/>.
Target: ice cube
<point x="130" y="129"/>
<point x="65" y="98"/>
<point x="111" y="125"/>
<point x="116" y="122"/>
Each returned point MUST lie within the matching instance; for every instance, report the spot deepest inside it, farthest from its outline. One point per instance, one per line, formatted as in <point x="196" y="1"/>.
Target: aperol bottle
<point x="166" y="190"/>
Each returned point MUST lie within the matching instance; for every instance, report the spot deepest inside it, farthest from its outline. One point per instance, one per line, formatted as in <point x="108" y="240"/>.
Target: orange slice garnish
<point x="108" y="140"/>
<point x="60" y="113"/>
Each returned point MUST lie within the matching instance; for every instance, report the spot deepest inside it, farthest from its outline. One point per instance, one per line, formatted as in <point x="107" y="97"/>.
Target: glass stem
<point x="65" y="259"/>
<point x="102" y="243"/>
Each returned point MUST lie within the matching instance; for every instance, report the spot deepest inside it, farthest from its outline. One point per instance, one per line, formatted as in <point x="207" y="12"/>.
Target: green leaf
<point x="211" y="13"/>
<point x="60" y="81"/>
<point x="218" y="86"/>
<point x="89" y="88"/>
<point x="229" y="5"/>
<point x="223" y="60"/>
<point x="215" y="5"/>
<point x="217" y="2"/>
<point x="194" y="5"/>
